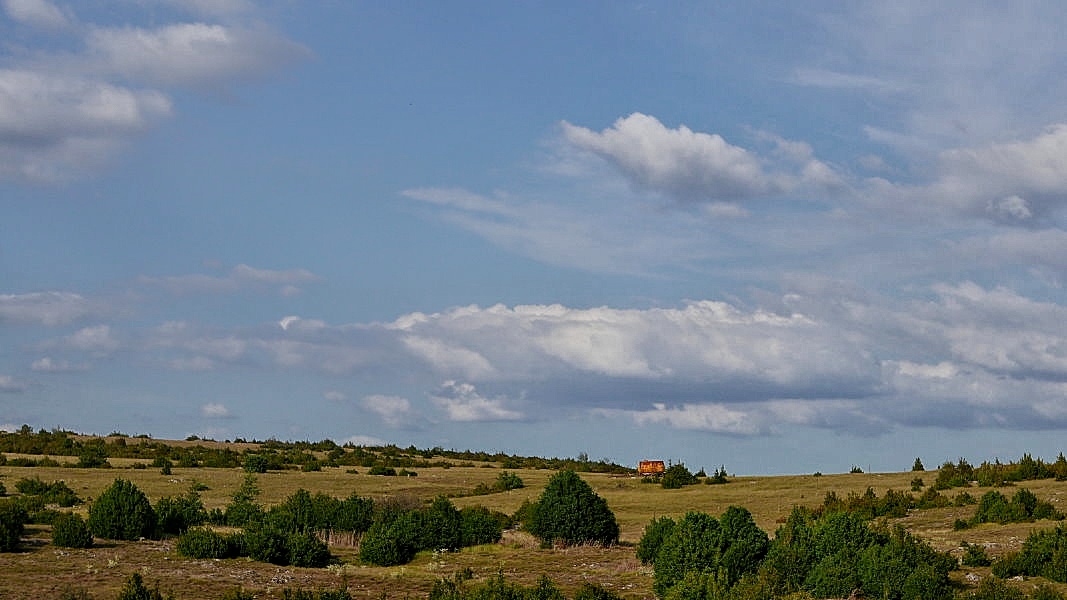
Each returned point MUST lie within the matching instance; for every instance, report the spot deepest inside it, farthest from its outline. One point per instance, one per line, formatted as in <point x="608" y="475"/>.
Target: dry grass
<point x="41" y="571"/>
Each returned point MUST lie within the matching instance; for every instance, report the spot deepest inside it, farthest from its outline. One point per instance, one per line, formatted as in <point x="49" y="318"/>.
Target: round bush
<point x="569" y="511"/>
<point x="122" y="512"/>
<point x="307" y="550"/>
<point x="70" y="531"/>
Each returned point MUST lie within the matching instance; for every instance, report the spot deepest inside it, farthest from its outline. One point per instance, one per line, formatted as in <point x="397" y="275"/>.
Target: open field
<point x="41" y="571"/>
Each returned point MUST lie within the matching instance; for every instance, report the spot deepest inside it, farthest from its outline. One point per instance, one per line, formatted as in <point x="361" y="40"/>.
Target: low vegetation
<point x="501" y="529"/>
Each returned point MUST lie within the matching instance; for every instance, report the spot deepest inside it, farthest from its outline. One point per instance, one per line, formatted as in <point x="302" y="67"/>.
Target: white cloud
<point x="688" y="165"/>
<point x="51" y="124"/>
<point x="97" y="340"/>
<point x="194" y="363"/>
<point x="241" y="277"/>
<point x="695" y="166"/>
<point x="335" y="396"/>
<point x="462" y="402"/>
<point x="395" y="411"/>
<point x="37" y="13"/>
<point x="215" y="411"/>
<point x="190" y="54"/>
<point x="244" y="272"/>
<point x="9" y="384"/>
<point x="46" y="308"/>
<point x="65" y="114"/>
<point x="47" y="364"/>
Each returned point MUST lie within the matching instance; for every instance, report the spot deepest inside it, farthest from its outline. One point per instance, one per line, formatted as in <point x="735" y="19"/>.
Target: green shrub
<point x="569" y="511"/>
<point x="267" y="544"/>
<point x="391" y="540"/>
<point x="178" y="514"/>
<point x="307" y="550"/>
<point x="256" y="463"/>
<point x="993" y="589"/>
<point x="135" y="589"/>
<point x="242" y="508"/>
<point x="974" y="556"/>
<point x="12" y="523"/>
<point x="479" y="525"/>
<point x="69" y="530"/>
<point x="56" y="492"/>
<point x="677" y="476"/>
<point x="205" y="543"/>
<point x="122" y="512"/>
<point x="380" y="470"/>
<point x="917" y="465"/>
<point x="656" y="532"/>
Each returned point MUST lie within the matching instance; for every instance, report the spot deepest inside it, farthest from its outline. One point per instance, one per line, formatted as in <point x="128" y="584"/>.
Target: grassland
<point x="42" y="571"/>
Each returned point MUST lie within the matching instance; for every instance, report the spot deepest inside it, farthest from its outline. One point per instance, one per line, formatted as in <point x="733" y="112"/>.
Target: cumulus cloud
<point x="335" y="396"/>
<point x="689" y="166"/>
<point x="9" y="384"/>
<point x="37" y="13"/>
<point x="241" y="277"/>
<point x="97" y="340"/>
<point x="215" y="411"/>
<point x="63" y="115"/>
<point x="47" y="364"/>
<point x="462" y="402"/>
<point x="395" y="411"/>
<point x="45" y="308"/>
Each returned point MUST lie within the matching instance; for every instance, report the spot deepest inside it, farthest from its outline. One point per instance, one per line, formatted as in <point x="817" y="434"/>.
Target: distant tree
<point x="918" y="465"/>
<point x="677" y="476"/>
<point x="256" y="463"/>
<point x="569" y="511"/>
<point x="242" y="508"/>
<point x="122" y="512"/>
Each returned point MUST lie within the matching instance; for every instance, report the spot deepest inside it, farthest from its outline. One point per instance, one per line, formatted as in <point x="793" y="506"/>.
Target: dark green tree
<point x="656" y="532"/>
<point x="569" y="511"/>
<point x="12" y="522"/>
<point x="918" y="465"/>
<point x="122" y="512"/>
<point x="69" y="530"/>
<point x="677" y="476"/>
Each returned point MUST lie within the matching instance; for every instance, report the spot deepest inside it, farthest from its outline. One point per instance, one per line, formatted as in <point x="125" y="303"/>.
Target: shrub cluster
<point x="1043" y="554"/>
<point x="56" y="492"/>
<point x="506" y="481"/>
<point x="1024" y="506"/>
<point x="998" y="474"/>
<point x="832" y="555"/>
<point x="176" y="515"/>
<point x="397" y="534"/>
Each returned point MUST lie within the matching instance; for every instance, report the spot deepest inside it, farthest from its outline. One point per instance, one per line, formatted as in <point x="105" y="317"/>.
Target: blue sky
<point x="778" y="236"/>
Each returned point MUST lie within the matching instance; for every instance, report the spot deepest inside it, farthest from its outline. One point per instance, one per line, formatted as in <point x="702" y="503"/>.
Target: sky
<point x="780" y="237"/>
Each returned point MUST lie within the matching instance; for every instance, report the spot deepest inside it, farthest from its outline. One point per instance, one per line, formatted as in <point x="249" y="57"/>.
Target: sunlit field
<point x="41" y="570"/>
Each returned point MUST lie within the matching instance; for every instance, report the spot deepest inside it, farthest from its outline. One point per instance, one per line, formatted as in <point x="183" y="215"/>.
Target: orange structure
<point x="650" y="467"/>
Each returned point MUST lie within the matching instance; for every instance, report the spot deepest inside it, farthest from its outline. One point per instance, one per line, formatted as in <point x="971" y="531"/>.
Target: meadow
<point x="41" y="570"/>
